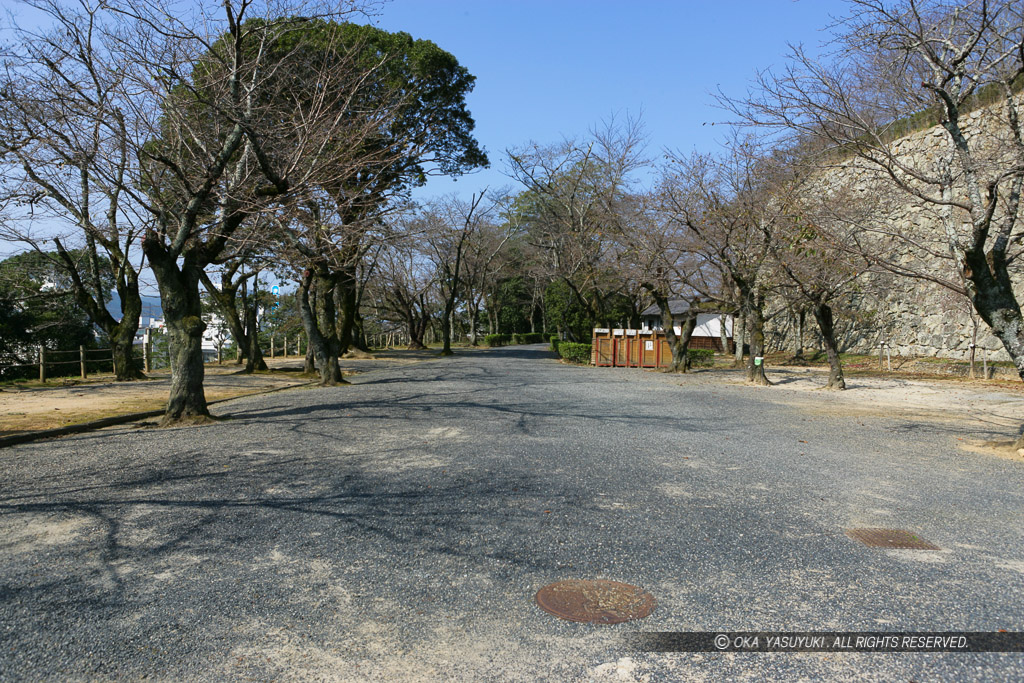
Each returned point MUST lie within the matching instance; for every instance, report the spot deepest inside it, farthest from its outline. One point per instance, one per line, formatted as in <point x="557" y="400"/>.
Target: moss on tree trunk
<point x="179" y="294"/>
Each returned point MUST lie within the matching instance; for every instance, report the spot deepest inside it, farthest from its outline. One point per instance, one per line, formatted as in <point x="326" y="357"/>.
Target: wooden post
<point x="147" y="350"/>
<point x="81" y="359"/>
<point x="42" y="363"/>
<point x="271" y="346"/>
<point x="220" y="352"/>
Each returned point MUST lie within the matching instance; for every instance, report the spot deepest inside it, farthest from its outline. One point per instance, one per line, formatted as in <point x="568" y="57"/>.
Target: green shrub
<point x="576" y="353"/>
<point x="493" y="340"/>
<point x="701" y="356"/>
<point x="517" y="338"/>
<point x="554" y="343"/>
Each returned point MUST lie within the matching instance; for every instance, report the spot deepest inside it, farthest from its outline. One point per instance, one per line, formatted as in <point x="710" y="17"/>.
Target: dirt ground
<point x="983" y="406"/>
<point x="71" y="401"/>
<point x="992" y="406"/>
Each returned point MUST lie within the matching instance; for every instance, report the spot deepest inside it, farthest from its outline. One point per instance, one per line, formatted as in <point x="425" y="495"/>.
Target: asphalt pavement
<point x="398" y="529"/>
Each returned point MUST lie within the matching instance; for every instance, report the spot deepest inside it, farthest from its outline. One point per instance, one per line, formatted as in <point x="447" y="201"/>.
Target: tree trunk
<point x="121" y="333"/>
<point x="346" y="296"/>
<point x="755" y="326"/>
<point x="723" y="332"/>
<point x="446" y="328"/>
<point x="991" y="292"/>
<point x="823" y="315"/>
<point x="474" y="318"/>
<point x="417" y="326"/>
<point x="681" y="343"/>
<point x="227" y="301"/>
<point x="739" y="327"/>
<point x="179" y="295"/>
<point x="125" y="365"/>
<point x="492" y="319"/>
<point x="359" y="339"/>
<point x="309" y="365"/>
<point x="254" y="354"/>
<point x="320" y="327"/>
<point x="798" y="353"/>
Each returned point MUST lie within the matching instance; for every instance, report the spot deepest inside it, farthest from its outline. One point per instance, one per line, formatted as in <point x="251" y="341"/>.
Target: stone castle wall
<point x="915" y="317"/>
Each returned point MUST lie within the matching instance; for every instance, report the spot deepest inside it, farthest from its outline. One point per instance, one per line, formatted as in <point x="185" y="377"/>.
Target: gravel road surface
<point x="398" y="529"/>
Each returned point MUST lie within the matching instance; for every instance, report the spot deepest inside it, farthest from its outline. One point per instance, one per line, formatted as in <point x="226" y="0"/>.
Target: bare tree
<point x="664" y="262"/>
<point x="420" y="127"/>
<point x="817" y="255"/>
<point x="486" y="258"/>
<point x="575" y="196"/>
<point x="403" y="286"/>
<point x="899" y="66"/>
<point x="730" y="216"/>
<point x="455" y="228"/>
<point x="236" y="306"/>
<point x="204" y="110"/>
<point x="66" y="145"/>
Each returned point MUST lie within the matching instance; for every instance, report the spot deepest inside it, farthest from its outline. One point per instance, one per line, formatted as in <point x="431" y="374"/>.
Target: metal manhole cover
<point x="890" y="538"/>
<point x="595" y="602"/>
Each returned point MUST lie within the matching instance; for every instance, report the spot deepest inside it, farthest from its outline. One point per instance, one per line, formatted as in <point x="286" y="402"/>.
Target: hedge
<point x="701" y="356"/>
<point x="576" y="353"/>
<point x="517" y="338"/>
<point x="529" y="338"/>
<point x="554" y="343"/>
<point x="497" y="339"/>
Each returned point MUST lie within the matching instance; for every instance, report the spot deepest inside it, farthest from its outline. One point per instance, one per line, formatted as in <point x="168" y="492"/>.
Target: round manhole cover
<point x="595" y="602"/>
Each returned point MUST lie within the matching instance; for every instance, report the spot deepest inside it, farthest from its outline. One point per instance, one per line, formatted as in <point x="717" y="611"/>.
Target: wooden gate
<point x="625" y="348"/>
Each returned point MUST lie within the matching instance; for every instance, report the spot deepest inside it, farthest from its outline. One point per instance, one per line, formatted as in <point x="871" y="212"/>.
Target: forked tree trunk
<point x="417" y="325"/>
<point x="226" y="300"/>
<point x="320" y="327"/>
<point x="994" y="300"/>
<point x="254" y="354"/>
<point x="121" y="333"/>
<point x="179" y="295"/>
<point x="359" y="339"/>
<point x="823" y="315"/>
<point x="681" y="343"/>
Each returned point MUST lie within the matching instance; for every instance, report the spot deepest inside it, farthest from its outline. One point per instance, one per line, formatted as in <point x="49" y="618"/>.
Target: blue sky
<point x="548" y="69"/>
<point x="555" y="68"/>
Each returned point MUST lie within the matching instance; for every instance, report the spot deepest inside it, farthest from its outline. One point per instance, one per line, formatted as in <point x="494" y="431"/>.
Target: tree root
<point x="186" y="421"/>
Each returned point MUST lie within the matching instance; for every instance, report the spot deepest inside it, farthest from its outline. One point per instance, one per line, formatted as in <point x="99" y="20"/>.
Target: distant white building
<point x="707" y="334"/>
<point x="216" y="335"/>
